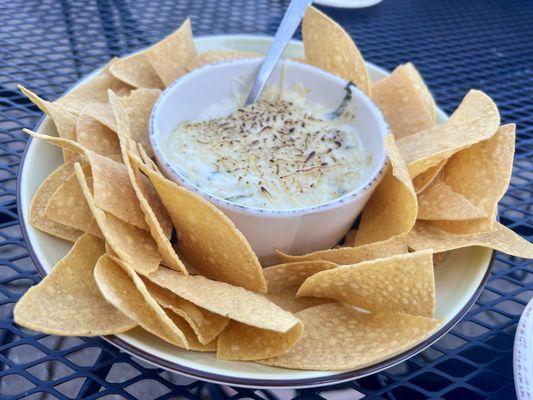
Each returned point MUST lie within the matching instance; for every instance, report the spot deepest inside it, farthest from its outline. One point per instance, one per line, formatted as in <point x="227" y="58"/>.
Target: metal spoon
<point x="292" y="18"/>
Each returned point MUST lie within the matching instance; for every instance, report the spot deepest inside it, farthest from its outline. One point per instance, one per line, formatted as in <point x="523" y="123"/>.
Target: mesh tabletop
<point x="457" y="45"/>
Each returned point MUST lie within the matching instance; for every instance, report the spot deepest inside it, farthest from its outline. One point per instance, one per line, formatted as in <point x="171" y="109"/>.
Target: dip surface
<point x="282" y="152"/>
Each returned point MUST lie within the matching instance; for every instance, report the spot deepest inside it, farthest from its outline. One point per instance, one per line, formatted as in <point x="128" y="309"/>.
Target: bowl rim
<point x="377" y="171"/>
<point x="335" y="378"/>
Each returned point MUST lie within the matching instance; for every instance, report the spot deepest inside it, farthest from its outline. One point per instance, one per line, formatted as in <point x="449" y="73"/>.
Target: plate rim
<point x="174" y="367"/>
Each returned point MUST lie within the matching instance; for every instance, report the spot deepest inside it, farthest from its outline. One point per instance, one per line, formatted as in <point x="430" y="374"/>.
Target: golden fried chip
<point x="284" y="280"/>
<point x="439" y="202"/>
<point x="405" y="101"/>
<point x="133" y="245"/>
<point x="38" y="217"/>
<point x="138" y="106"/>
<point x="96" y="137"/>
<point x="92" y="91"/>
<point x="125" y="290"/>
<point x="403" y="283"/>
<point x="136" y="71"/>
<point x="423" y="180"/>
<point x="68" y="302"/>
<point x="112" y="188"/>
<point x="170" y="56"/>
<point x="244" y="342"/>
<point x="349" y="239"/>
<point x="329" y="47"/>
<point x="206" y="237"/>
<point x="69" y="207"/>
<point x="426" y="235"/>
<point x="336" y="337"/>
<point x="155" y="214"/>
<point x="481" y="173"/>
<point x="214" y="56"/>
<point x="353" y="255"/>
<point x="229" y="301"/>
<point x="102" y="113"/>
<point x="476" y="119"/>
<point x="205" y="324"/>
<point x="393" y="207"/>
<point x="63" y="119"/>
<point x="438" y="258"/>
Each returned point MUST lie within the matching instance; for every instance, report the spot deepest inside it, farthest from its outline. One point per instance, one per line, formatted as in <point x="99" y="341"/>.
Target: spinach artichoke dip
<point x="281" y="152"/>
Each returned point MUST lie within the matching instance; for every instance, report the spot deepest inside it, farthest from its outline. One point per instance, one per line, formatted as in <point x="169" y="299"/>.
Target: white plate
<point x="459" y="280"/>
<point x="523" y="355"/>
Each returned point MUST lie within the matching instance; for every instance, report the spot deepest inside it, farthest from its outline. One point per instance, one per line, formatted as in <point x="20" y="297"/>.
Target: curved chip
<point x="393" y="207"/>
<point x="63" y="119"/>
<point x="96" y="137"/>
<point x="423" y="180"/>
<point x="41" y="198"/>
<point x="476" y="119"/>
<point x="133" y="245"/>
<point x="170" y="56"/>
<point x="405" y="101"/>
<point x="125" y="290"/>
<point x="68" y="302"/>
<point x="337" y="337"/>
<point x="283" y="281"/>
<point x="352" y="255"/>
<point x="403" y="283"/>
<point x="136" y="71"/>
<point x="440" y="202"/>
<point x="156" y="216"/>
<point x="206" y="237"/>
<point x="246" y="343"/>
<point x="205" y="324"/>
<point x="229" y="301"/>
<point x="329" y="47"/>
<point x="426" y="235"/>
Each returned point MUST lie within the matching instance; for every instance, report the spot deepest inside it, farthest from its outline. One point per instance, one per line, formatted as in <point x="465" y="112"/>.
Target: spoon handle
<point x="292" y="18"/>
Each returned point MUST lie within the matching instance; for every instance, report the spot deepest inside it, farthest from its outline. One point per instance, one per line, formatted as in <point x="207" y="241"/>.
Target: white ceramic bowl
<point x="458" y="280"/>
<point x="295" y="231"/>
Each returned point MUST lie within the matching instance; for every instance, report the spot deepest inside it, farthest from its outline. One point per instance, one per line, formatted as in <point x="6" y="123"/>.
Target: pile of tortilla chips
<point x="342" y="308"/>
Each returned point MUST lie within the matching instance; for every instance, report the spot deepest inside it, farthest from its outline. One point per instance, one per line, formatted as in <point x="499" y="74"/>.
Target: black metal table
<point x="48" y="45"/>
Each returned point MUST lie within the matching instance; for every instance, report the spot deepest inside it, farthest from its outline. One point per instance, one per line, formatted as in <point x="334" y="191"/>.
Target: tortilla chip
<point x="185" y="328"/>
<point x="482" y="172"/>
<point x="170" y="56"/>
<point x="96" y="137"/>
<point x="102" y="113"/>
<point x="439" y="201"/>
<point x="476" y="119"/>
<point x="136" y="71"/>
<point x="63" y="119"/>
<point x="138" y="106"/>
<point x="284" y="280"/>
<point x="112" y="188"/>
<point x="403" y="283"/>
<point x="205" y="324"/>
<point x="393" y="207"/>
<point x="206" y="237"/>
<point x="92" y="91"/>
<point x="214" y="56"/>
<point x="423" y="180"/>
<point x="405" y="101"/>
<point x="133" y="245"/>
<point x="337" y="337"/>
<point x="125" y="290"/>
<point x="349" y="239"/>
<point x="229" y="301"/>
<point x="69" y="207"/>
<point x="155" y="214"/>
<point x="329" y="47"/>
<point x="463" y="227"/>
<point x="68" y="302"/>
<point x="352" y="255"/>
<point x="38" y="217"/>
<point x="243" y="342"/>
<point x="426" y="235"/>
<point x="438" y="258"/>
